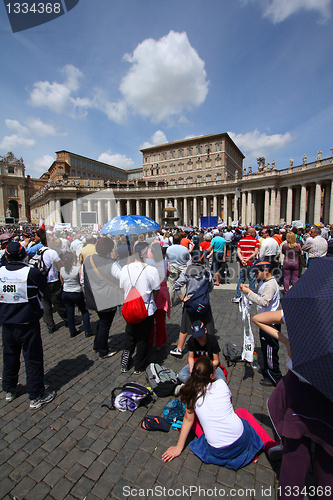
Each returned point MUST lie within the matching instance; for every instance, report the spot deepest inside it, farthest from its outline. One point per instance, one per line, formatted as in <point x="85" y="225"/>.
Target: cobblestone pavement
<point x="73" y="448"/>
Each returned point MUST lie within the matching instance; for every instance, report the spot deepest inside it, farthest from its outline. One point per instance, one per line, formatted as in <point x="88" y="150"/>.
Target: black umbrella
<point x="308" y="311"/>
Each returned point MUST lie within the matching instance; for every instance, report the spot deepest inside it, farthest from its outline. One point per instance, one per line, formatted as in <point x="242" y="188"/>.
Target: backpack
<point x="199" y="302"/>
<point x="134" y="310"/>
<point x="232" y="353"/>
<point x="162" y="380"/>
<point x="37" y="261"/>
<point x="174" y="413"/>
<point x="130" y="397"/>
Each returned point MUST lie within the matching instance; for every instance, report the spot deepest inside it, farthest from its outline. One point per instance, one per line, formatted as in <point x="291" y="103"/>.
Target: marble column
<point x="100" y="212"/>
<point x="2" y="203"/>
<point x="215" y="205"/>
<point x="185" y="216"/>
<point x="249" y="208"/>
<point x="331" y="205"/>
<point x="302" y="212"/>
<point x="289" y="208"/>
<point x="278" y="206"/>
<point x="195" y="211"/>
<point x="147" y="208"/>
<point x="109" y="209"/>
<point x="137" y="207"/>
<point x="243" y="216"/>
<point x="118" y="208"/>
<point x="317" y="205"/>
<point x="128" y="207"/>
<point x="273" y="220"/>
<point x="90" y="205"/>
<point x="235" y="208"/>
<point x="58" y="211"/>
<point x="266" y="211"/>
<point x="225" y="208"/>
<point x="204" y="209"/>
<point x="157" y="211"/>
<point x="22" y="213"/>
<point x="74" y="213"/>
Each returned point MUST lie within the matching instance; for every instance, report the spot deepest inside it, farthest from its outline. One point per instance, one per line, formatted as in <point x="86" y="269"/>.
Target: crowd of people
<point x="146" y="275"/>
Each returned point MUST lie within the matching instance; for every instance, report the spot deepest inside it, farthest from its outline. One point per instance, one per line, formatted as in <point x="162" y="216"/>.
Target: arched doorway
<point x="13" y="207"/>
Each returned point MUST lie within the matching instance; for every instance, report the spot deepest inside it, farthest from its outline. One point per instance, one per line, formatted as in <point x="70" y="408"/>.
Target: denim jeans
<point x="184" y="374"/>
<point x="72" y="299"/>
<point x="245" y="272"/>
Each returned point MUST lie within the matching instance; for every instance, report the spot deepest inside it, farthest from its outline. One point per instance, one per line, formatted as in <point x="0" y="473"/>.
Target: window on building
<point x="164" y="155"/>
<point x="12" y="191"/>
<point x="146" y="159"/>
<point x="218" y="146"/>
<point x="164" y="169"/>
<point x="189" y="165"/>
<point x="181" y="180"/>
<point x="189" y="151"/>
<point x="180" y="167"/>
<point x="172" y="168"/>
<point x="10" y="170"/>
<point x="180" y="153"/>
<point x="172" y="154"/>
<point x="199" y="150"/>
<point x="73" y="172"/>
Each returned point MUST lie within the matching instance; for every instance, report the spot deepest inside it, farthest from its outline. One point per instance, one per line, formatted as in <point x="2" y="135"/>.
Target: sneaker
<point x="95" y="350"/>
<point x="177" y="352"/>
<point x="124" y="370"/>
<point x="266" y="382"/>
<point x="88" y="334"/>
<point x="52" y="329"/>
<point x="47" y="397"/>
<point x="275" y="453"/>
<point x="11" y="395"/>
<point x="108" y="355"/>
<point x="177" y="389"/>
<point x="236" y="300"/>
<point x="138" y="372"/>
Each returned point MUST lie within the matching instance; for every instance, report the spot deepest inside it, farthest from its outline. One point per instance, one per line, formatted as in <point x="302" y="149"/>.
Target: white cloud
<point x="166" y="78"/>
<point x="117" y="160"/>
<point x="57" y="96"/>
<point x="40" y="165"/>
<point x="40" y="128"/>
<point x="11" y="142"/>
<point x="16" y="126"/>
<point x="255" y="144"/>
<point x="115" y="111"/>
<point x="279" y="10"/>
<point x="156" y="139"/>
<point x="25" y="134"/>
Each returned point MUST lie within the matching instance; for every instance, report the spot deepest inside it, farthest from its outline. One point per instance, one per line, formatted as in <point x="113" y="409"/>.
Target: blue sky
<point x="113" y="76"/>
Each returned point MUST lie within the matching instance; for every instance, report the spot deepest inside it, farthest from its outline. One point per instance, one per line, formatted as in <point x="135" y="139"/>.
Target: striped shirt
<point x="247" y="246"/>
<point x="316" y="247"/>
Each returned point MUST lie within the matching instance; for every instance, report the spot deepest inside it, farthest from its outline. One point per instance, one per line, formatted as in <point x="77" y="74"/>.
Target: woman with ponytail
<point x="72" y="294"/>
<point x="228" y="438"/>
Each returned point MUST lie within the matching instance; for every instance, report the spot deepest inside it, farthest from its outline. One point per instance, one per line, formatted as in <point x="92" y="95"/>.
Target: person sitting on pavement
<point x="20" y="311"/>
<point x="200" y="344"/>
<point x="193" y="278"/>
<point x="226" y="437"/>
<point x="267" y="298"/>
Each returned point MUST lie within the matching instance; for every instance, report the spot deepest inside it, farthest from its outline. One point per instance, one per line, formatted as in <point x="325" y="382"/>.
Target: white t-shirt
<point x="220" y="423"/>
<point x="50" y="257"/>
<point x="148" y="281"/>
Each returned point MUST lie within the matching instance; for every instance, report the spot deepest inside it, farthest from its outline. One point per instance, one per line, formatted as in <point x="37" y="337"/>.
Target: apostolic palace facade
<point x="202" y="176"/>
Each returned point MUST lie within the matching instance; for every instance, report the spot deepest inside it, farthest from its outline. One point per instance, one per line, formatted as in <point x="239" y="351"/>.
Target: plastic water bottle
<point x="255" y="364"/>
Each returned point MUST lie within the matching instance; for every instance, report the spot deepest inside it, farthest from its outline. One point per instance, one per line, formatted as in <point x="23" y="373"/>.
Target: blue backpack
<point x="174" y="413"/>
<point x="199" y="302"/>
